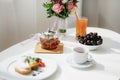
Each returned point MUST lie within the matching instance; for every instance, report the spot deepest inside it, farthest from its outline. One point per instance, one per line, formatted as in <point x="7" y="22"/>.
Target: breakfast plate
<point x="88" y="63"/>
<point x="39" y="74"/>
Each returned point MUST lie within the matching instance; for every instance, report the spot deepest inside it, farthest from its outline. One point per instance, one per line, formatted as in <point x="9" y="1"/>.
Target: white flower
<point x="64" y="1"/>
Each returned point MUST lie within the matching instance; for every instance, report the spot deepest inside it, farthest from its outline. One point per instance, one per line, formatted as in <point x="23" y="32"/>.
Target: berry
<point x="95" y="34"/>
<point x="90" y="39"/>
<point x="91" y="33"/>
<point x="91" y="42"/>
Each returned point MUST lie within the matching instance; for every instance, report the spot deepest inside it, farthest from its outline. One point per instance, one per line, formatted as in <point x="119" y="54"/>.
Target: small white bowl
<point x="92" y="47"/>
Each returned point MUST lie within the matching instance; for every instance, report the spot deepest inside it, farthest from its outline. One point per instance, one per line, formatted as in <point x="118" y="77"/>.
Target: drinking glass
<point x="81" y="26"/>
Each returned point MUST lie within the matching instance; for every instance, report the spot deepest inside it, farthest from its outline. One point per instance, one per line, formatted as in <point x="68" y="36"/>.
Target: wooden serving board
<point x="58" y="50"/>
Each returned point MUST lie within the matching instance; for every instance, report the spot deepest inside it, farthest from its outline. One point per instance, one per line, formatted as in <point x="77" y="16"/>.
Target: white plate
<point x="48" y="70"/>
<point x="87" y="64"/>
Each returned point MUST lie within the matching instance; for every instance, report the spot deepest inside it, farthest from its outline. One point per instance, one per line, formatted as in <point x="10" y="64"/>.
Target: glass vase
<point x="62" y="27"/>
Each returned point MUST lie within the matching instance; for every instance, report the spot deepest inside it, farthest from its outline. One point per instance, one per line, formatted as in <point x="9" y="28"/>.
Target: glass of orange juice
<point x="81" y="26"/>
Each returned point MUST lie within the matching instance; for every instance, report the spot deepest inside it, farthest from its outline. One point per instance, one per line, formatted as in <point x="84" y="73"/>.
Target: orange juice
<point x="81" y="26"/>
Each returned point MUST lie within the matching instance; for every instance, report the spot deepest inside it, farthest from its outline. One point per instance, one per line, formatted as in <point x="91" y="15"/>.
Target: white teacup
<point x="80" y="54"/>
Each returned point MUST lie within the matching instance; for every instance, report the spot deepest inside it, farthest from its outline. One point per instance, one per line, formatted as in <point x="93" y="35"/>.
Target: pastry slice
<point x="22" y="66"/>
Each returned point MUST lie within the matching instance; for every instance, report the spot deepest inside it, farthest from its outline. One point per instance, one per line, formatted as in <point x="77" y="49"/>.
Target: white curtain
<point x="8" y="30"/>
<point x="20" y="18"/>
<point x="17" y="21"/>
<point x="103" y="13"/>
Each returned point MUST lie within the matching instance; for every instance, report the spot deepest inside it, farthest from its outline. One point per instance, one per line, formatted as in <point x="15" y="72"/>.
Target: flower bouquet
<point x="62" y="9"/>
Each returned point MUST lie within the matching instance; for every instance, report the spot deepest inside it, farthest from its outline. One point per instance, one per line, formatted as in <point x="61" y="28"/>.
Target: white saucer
<point x="87" y="64"/>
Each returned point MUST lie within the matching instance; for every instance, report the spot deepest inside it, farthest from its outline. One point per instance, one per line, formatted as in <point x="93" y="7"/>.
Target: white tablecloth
<point x="107" y="57"/>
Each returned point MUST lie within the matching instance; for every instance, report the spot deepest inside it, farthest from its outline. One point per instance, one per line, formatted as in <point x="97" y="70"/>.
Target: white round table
<point x="107" y="57"/>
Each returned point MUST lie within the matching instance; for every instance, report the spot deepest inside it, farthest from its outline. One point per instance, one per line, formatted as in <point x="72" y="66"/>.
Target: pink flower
<point x="70" y="5"/>
<point x="57" y="8"/>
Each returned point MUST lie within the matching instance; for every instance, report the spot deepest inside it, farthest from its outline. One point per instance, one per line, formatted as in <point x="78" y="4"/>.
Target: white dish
<point x="91" y="48"/>
<point x="48" y="70"/>
<point x="87" y="64"/>
<point x="94" y="47"/>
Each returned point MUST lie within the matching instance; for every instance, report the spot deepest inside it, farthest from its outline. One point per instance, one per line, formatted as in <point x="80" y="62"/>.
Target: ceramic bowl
<point x="92" y="47"/>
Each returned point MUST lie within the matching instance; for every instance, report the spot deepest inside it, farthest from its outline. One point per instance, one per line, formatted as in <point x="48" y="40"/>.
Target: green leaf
<point x="37" y="59"/>
<point x="51" y="5"/>
<point x="48" y="5"/>
<point x="62" y="30"/>
<point x="49" y="12"/>
<point x="45" y="5"/>
<point x="75" y="0"/>
<point x="31" y="59"/>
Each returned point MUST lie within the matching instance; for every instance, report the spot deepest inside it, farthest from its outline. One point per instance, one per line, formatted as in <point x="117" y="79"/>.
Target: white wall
<point x="26" y="17"/>
<point x="90" y="10"/>
<point x="103" y="13"/>
<point x="42" y="21"/>
<point x="7" y="23"/>
<point x="17" y="21"/>
<point x="109" y="14"/>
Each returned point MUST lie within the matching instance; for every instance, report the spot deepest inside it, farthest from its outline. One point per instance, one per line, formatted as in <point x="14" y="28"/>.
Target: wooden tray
<point x="58" y="50"/>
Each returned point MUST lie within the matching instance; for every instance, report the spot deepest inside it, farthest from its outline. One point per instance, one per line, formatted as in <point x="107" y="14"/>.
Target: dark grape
<point x="99" y="37"/>
<point x="81" y="41"/>
<point x="88" y="42"/>
<point x="98" y="42"/>
<point x="91" y="33"/>
<point x="95" y="34"/>
<point x="92" y="43"/>
<point x="85" y="39"/>
<point x="90" y="39"/>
